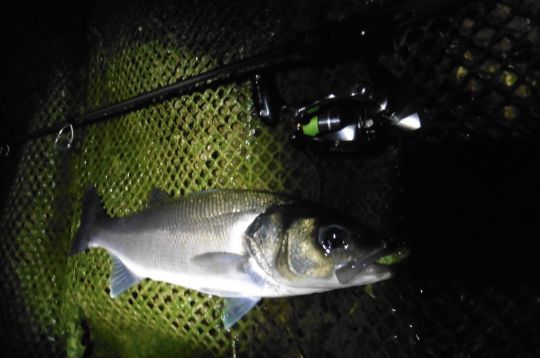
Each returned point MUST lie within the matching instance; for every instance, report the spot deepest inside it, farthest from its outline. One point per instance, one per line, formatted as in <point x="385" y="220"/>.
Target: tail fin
<point x="91" y="214"/>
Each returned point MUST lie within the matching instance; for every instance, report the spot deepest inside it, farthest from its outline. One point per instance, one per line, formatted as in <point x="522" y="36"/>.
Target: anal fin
<point x="236" y="307"/>
<point x="121" y="277"/>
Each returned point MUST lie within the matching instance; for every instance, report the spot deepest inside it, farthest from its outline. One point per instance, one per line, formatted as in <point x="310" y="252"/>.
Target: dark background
<point x="34" y="36"/>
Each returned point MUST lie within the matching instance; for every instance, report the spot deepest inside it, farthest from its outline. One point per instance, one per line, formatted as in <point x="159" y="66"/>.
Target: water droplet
<point x="255" y="132"/>
<point x="369" y="123"/>
<point x="233" y="343"/>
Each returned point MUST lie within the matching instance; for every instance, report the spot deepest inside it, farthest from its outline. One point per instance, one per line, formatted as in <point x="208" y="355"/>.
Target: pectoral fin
<point x="220" y="262"/>
<point x="235" y="308"/>
<point x="121" y="277"/>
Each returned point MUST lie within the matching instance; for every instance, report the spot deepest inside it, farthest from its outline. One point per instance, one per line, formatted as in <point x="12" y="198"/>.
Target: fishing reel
<point x="366" y="116"/>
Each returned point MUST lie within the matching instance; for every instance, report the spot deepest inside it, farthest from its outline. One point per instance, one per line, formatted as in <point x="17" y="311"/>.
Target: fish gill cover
<point x="54" y="305"/>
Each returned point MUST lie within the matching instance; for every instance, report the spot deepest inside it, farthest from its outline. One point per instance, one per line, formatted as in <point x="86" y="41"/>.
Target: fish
<point x="237" y="244"/>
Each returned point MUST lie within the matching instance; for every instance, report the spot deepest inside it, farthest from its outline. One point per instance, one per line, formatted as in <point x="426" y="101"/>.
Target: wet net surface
<point x="466" y="68"/>
<point x="489" y="57"/>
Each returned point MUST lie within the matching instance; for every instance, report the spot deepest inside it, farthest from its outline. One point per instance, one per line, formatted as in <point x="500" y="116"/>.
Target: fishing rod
<point x="362" y="36"/>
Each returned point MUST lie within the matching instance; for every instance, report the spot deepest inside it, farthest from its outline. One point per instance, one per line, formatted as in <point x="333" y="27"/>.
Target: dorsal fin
<point x="158" y="196"/>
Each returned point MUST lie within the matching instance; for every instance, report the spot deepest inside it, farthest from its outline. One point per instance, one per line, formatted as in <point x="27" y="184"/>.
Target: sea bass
<point x="241" y="245"/>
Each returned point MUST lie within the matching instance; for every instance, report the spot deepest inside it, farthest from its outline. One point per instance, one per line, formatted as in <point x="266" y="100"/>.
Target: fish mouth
<point x="356" y="269"/>
<point x="371" y="274"/>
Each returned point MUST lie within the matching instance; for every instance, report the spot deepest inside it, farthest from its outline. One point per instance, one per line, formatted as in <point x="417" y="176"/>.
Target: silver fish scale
<point x="208" y="204"/>
<point x="195" y="208"/>
<point x="161" y="241"/>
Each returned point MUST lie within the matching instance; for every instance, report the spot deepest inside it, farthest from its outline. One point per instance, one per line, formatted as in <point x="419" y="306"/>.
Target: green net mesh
<point x="60" y="305"/>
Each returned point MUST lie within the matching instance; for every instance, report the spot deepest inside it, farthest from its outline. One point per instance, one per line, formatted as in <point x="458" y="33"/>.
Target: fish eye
<point x="333" y="237"/>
